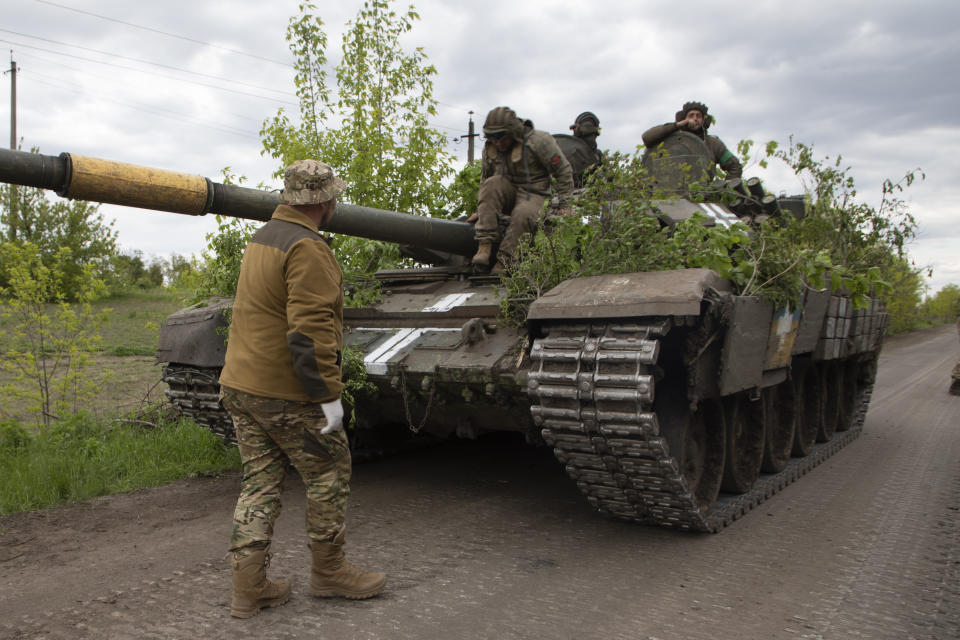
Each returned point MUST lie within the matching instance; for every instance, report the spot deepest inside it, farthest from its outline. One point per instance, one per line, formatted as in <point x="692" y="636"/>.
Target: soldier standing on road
<point x="519" y="164"/>
<point x="281" y="385"/>
<point x="694" y="119"/>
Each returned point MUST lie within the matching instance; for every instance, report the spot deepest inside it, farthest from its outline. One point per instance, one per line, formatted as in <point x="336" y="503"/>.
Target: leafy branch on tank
<point x="838" y="244"/>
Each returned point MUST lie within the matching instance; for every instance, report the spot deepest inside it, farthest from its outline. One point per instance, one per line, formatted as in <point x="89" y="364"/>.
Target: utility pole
<point x="12" y="213"/>
<point x="470" y="136"/>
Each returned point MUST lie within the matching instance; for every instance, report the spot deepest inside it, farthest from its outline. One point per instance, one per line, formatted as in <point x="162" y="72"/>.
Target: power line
<point x="165" y="33"/>
<point x="174" y="115"/>
<point x="200" y="42"/>
<point x="85" y="72"/>
<point x="156" y="64"/>
<point x="160" y="75"/>
<point x="58" y="53"/>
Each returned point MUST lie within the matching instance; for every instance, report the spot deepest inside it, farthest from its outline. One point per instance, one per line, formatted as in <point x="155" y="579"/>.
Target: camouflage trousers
<point x="272" y="433"/>
<point x="499" y="197"/>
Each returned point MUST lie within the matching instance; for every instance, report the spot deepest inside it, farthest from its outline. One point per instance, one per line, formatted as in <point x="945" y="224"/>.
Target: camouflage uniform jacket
<point x="287" y="329"/>
<point x="532" y="164"/>
<point x="721" y="155"/>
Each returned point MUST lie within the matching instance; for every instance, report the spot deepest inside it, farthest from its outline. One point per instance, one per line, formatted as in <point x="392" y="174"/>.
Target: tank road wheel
<point x="831" y="387"/>
<point x="696" y="441"/>
<point x="849" y="395"/>
<point x="780" y="422"/>
<point x="745" y="443"/>
<point x="806" y="390"/>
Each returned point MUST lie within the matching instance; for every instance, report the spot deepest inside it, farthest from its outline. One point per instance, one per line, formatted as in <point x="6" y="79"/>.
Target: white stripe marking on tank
<point x="376" y="361"/>
<point x="449" y="302"/>
<point x="718" y="213"/>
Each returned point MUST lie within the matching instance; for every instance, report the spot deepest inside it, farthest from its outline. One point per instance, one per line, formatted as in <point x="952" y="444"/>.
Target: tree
<point x="180" y="272"/>
<point x="464" y="191"/>
<point x="48" y="339"/>
<point x="944" y="306"/>
<point x="379" y="139"/>
<point x="375" y="134"/>
<point x="50" y="226"/>
<point x="129" y="271"/>
<point x="219" y="271"/>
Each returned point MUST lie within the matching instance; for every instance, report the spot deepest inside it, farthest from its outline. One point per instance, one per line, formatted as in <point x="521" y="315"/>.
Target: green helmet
<point x="586" y="124"/>
<point x="503" y="120"/>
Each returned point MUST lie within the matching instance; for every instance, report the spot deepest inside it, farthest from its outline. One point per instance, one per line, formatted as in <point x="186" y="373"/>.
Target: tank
<point x="666" y="398"/>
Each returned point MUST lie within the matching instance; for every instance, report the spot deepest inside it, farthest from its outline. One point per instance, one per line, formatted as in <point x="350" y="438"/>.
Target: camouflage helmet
<point x="310" y="182"/>
<point x="586" y="124"/>
<point x="503" y="120"/>
<point x="695" y="106"/>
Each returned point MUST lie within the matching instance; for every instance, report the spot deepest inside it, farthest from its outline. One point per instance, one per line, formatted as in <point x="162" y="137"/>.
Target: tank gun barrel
<point x="105" y="181"/>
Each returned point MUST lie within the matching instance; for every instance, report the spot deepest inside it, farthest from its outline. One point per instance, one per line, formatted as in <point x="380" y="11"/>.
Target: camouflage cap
<point x="310" y="182"/>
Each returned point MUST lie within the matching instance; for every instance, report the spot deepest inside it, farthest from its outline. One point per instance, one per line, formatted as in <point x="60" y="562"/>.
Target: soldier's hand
<point x="333" y="412"/>
<point x="473" y="217"/>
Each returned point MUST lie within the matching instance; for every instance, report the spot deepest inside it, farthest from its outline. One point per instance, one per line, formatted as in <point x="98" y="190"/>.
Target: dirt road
<point x="490" y="539"/>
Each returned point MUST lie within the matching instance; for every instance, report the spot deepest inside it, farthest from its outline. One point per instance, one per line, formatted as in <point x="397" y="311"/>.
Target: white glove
<point x="333" y="412"/>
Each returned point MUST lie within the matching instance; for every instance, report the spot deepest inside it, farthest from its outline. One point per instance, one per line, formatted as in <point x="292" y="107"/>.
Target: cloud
<point x="871" y="82"/>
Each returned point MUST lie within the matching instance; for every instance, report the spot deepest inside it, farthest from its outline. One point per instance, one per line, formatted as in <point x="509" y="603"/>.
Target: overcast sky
<point x="188" y="87"/>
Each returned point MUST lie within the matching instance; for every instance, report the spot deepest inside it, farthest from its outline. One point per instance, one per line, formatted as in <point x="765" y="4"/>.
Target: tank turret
<point x="667" y="398"/>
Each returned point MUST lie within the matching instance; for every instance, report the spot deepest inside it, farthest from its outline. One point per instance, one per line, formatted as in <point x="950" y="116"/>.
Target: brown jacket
<point x="721" y="155"/>
<point x="287" y="329"/>
<point x="531" y="165"/>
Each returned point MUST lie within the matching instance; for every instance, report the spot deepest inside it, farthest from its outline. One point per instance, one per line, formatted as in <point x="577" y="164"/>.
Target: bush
<point x="13" y="437"/>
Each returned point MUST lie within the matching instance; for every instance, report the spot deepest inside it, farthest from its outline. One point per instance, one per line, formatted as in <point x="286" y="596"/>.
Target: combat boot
<point x="333" y="575"/>
<point x="251" y="589"/>
<point x="497" y="269"/>
<point x="482" y="257"/>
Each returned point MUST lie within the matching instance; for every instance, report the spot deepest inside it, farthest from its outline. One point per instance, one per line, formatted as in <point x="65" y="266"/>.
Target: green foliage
<point x="76" y="226"/>
<point x="47" y="344"/>
<point x="81" y="457"/>
<point x="463" y="192"/>
<point x="13" y="437"/>
<point x="375" y="132"/>
<point x="383" y="148"/>
<point x="903" y="295"/>
<point x="355" y="383"/>
<point x="840" y="243"/>
<point x="361" y="289"/>
<point x="866" y="244"/>
<point x="181" y="273"/>
<point x="219" y="271"/>
<point x="129" y="271"/>
<point x="944" y="306"/>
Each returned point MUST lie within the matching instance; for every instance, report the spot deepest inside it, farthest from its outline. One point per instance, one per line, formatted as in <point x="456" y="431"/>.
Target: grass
<point x="82" y="457"/>
<point x="123" y="368"/>
<point x="134" y="320"/>
<point x="94" y="451"/>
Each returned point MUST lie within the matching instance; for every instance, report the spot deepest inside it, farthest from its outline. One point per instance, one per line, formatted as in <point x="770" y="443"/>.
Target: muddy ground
<point x="490" y="539"/>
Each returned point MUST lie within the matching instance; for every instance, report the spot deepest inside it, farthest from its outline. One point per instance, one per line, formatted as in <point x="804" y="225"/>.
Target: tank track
<point x="592" y="392"/>
<point x="195" y="394"/>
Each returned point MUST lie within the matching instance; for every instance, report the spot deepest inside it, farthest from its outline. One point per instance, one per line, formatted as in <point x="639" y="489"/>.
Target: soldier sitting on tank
<point x="519" y="166"/>
<point x="694" y="119"/>
<point x="587" y="128"/>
